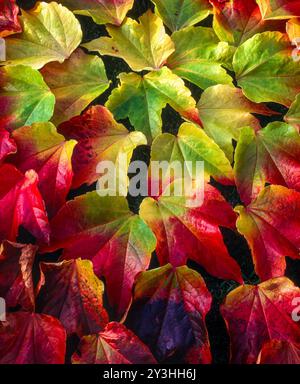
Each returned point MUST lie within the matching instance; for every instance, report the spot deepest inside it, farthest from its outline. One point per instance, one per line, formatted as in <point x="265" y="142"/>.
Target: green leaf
<point x="50" y="33"/>
<point x="24" y="97"/>
<point x="192" y="144"/>
<point x="293" y="115"/>
<point x="265" y="69"/>
<point x="75" y="84"/>
<point x="224" y="111"/>
<point x="142" y="99"/>
<point x="199" y="56"/>
<point x="143" y="45"/>
<point x="178" y="14"/>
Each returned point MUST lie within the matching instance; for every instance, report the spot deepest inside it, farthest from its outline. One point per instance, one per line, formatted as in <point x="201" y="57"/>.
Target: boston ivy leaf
<point x="142" y="99"/>
<point x="199" y="57"/>
<point x="224" y="111"/>
<point x="21" y="204"/>
<point x="50" y="33"/>
<point x="16" y="285"/>
<point x="24" y="97"/>
<point x="184" y="231"/>
<point x="32" y="338"/>
<point x="271" y="226"/>
<point x="265" y="68"/>
<point x="71" y="292"/>
<point x="7" y="144"/>
<point x="192" y="144"/>
<point x="100" y="138"/>
<point x="75" y="83"/>
<point x="293" y="115"/>
<point x="293" y="29"/>
<point x="256" y="314"/>
<point x="103" y="230"/>
<point x="178" y="14"/>
<point x="279" y="352"/>
<point x="9" y="22"/>
<point x="278" y="9"/>
<point x="235" y="21"/>
<point x="102" y="11"/>
<point x="143" y="45"/>
<point x="41" y="148"/>
<point x="115" y="345"/>
<point x="168" y="313"/>
<point x="268" y="155"/>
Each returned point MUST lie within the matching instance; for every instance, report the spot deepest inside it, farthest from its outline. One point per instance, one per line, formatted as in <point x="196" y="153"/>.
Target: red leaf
<point x="31" y="338"/>
<point x="168" y="313"/>
<point x="7" y="145"/>
<point x="116" y="345"/>
<point x="256" y="314"/>
<point x="21" y="204"/>
<point x="71" y="292"/>
<point x="9" y="22"/>
<point x="279" y="352"/>
<point x="16" y="285"/>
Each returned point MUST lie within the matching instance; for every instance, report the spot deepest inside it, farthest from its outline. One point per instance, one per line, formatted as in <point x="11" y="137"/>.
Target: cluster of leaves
<point x="51" y="141"/>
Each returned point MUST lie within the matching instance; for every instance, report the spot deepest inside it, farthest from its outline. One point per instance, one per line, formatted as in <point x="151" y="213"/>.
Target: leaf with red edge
<point x="115" y="345"/>
<point x="21" y="204"/>
<point x="257" y="314"/>
<point x="32" y="338"/>
<point x="186" y="230"/>
<point x="16" y="285"/>
<point x="41" y="148"/>
<point x="268" y="155"/>
<point x="279" y="352"/>
<point x="9" y="22"/>
<point x="7" y="144"/>
<point x="236" y="21"/>
<point x="271" y="226"/>
<point x="71" y="292"/>
<point x="100" y="138"/>
<point x="104" y="230"/>
<point x="279" y="9"/>
<point x="168" y="313"/>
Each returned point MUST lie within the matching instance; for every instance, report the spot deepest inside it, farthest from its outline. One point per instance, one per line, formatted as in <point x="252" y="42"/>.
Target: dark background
<point x="235" y="243"/>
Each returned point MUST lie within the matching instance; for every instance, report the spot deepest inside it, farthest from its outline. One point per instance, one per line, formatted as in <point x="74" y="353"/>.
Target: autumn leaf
<point x="144" y="45"/>
<point x="75" y="84"/>
<point x="265" y="69"/>
<point x="115" y="345"/>
<point x="271" y="226"/>
<point x="24" y="97"/>
<point x="142" y="100"/>
<point x="278" y="9"/>
<point x="186" y="230"/>
<point x="279" y="352"/>
<point x="9" y="22"/>
<point x="269" y="155"/>
<point x="16" y="284"/>
<point x="21" y="204"/>
<point x="71" y="292"/>
<point x="50" y="33"/>
<point x="102" y="229"/>
<point x="178" y="14"/>
<point x="7" y="144"/>
<point x="192" y="144"/>
<point x="169" y="310"/>
<point x="237" y="21"/>
<point x="32" y="338"/>
<point x="293" y="29"/>
<point x="41" y="148"/>
<point x="257" y="314"/>
<point x="224" y="111"/>
<point x="199" y="56"/>
<point x="101" y="11"/>
<point x="293" y="115"/>
<point x="100" y="138"/>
